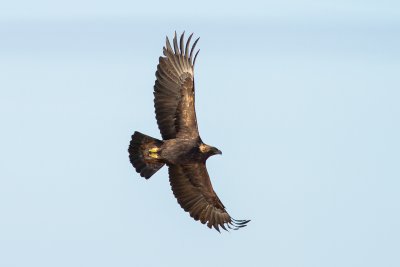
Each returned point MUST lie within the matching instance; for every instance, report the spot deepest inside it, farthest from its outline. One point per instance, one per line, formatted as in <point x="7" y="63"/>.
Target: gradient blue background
<point x="302" y="97"/>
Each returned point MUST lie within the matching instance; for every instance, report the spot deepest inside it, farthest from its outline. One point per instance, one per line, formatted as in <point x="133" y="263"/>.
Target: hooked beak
<point x="218" y="152"/>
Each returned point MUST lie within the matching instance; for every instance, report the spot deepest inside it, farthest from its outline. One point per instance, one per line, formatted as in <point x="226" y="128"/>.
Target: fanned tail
<point x="140" y="154"/>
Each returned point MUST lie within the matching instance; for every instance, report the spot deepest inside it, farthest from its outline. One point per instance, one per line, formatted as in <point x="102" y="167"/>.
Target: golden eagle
<point x="181" y="148"/>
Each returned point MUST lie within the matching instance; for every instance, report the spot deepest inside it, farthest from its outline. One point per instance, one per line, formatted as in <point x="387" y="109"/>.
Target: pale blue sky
<point x="302" y="97"/>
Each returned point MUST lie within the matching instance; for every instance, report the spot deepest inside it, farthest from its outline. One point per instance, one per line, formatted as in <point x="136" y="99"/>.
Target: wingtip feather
<point x="188" y="44"/>
<point x="193" y="47"/>
<point x="195" y="56"/>
<point x="181" y="42"/>
<point x="175" y="41"/>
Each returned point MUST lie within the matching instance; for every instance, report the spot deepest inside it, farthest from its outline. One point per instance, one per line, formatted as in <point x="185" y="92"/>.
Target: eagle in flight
<point x="181" y="149"/>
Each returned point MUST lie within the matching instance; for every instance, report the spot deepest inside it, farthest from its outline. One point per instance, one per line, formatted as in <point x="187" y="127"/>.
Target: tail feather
<point x="139" y="157"/>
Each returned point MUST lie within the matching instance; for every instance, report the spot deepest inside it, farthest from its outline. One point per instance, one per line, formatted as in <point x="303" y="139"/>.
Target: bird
<point x="181" y="147"/>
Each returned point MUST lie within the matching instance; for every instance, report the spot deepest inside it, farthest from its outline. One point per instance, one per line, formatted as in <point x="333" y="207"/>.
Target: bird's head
<point x="209" y="150"/>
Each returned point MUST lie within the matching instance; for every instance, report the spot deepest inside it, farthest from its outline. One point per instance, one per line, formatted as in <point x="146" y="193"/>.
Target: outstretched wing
<point x="192" y="188"/>
<point x="174" y="91"/>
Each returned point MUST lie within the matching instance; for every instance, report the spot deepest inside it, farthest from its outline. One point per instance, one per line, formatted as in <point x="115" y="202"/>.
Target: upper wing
<point x="193" y="190"/>
<point x="174" y="91"/>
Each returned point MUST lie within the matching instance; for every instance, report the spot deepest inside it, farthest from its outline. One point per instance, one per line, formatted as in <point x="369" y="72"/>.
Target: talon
<point x="153" y="155"/>
<point x="154" y="150"/>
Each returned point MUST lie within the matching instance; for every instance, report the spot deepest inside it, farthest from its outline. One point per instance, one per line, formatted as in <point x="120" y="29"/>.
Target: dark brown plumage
<point x="181" y="148"/>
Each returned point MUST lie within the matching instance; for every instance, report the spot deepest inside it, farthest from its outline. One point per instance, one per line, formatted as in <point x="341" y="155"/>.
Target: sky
<point x="302" y="97"/>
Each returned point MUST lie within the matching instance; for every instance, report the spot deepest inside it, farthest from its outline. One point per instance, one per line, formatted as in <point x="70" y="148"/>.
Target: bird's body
<point x="181" y="149"/>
